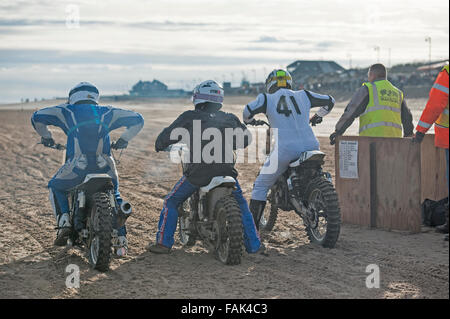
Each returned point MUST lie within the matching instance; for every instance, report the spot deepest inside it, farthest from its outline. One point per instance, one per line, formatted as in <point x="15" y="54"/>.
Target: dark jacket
<point x="200" y="172"/>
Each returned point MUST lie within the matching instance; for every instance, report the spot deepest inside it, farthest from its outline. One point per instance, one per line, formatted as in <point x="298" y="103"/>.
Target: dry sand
<point x="411" y="266"/>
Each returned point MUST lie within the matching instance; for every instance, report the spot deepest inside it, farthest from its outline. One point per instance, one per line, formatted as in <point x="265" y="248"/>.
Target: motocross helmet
<point x="278" y="79"/>
<point x="208" y="92"/>
<point x="84" y="92"/>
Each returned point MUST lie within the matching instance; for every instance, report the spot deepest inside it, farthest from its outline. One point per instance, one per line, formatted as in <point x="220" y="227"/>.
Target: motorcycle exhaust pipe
<point x="124" y="212"/>
<point x="299" y="207"/>
<point x="268" y="141"/>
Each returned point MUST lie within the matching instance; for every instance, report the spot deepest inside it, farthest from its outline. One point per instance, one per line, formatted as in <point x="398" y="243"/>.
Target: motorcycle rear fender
<point x="94" y="183"/>
<point x="98" y="177"/>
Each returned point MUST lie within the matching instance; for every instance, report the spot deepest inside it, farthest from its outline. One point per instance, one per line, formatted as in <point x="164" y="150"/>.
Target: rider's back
<point x="288" y="111"/>
<point x="205" y="163"/>
<point x="87" y="126"/>
<point x="90" y="131"/>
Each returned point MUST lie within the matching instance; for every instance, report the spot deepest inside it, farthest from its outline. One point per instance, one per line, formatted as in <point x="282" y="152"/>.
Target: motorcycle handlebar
<point x="315" y="120"/>
<point x="175" y="147"/>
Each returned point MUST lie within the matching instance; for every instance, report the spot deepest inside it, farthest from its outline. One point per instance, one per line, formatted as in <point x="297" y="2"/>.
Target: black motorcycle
<point x="307" y="190"/>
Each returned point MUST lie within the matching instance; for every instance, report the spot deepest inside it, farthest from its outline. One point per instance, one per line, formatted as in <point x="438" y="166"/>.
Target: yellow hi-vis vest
<point x="382" y="117"/>
<point x="443" y="118"/>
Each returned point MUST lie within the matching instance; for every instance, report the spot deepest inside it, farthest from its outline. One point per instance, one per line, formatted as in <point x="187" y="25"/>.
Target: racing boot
<point x="257" y="209"/>
<point x="443" y="228"/>
<point x="262" y="250"/>
<point x="63" y="228"/>
<point x="158" y="249"/>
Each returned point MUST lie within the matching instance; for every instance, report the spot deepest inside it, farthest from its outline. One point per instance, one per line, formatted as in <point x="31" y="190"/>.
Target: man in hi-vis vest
<point x="436" y="111"/>
<point x="380" y="106"/>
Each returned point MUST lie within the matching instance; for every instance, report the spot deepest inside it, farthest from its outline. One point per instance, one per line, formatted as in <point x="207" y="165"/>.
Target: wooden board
<point x="433" y="168"/>
<point x="354" y="194"/>
<point x="398" y="184"/>
<point x="392" y="184"/>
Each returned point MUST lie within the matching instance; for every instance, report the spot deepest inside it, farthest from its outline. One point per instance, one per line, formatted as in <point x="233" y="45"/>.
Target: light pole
<point x="377" y="48"/>
<point x="428" y="39"/>
<point x="349" y="56"/>
<point x="389" y="60"/>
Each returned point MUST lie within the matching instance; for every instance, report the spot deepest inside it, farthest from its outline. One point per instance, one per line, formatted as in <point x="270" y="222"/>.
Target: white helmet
<point x="208" y="91"/>
<point x="278" y="79"/>
<point x="83" y="91"/>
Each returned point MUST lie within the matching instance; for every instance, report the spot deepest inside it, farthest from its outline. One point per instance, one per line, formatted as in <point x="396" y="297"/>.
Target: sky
<point x="46" y="47"/>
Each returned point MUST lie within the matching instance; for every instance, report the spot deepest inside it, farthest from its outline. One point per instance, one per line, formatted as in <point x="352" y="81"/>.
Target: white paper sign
<point x="348" y="159"/>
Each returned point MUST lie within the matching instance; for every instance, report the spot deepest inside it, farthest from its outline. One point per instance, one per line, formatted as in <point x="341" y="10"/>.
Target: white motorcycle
<point x="213" y="216"/>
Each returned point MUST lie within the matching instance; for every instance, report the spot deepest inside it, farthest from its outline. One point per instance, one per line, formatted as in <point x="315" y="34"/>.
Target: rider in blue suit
<point x="87" y="126"/>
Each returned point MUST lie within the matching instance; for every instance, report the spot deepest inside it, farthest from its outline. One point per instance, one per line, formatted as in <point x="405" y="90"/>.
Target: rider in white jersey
<point x="288" y="113"/>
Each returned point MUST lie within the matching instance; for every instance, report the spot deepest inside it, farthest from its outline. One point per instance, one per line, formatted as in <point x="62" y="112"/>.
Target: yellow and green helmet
<point x="278" y="79"/>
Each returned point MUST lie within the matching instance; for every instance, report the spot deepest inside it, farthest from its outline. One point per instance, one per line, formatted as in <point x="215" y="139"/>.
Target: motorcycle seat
<point x="308" y="156"/>
<point x="217" y="181"/>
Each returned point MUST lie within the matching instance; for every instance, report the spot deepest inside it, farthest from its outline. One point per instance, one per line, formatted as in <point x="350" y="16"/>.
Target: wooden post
<point x="433" y="168"/>
<point x="373" y="185"/>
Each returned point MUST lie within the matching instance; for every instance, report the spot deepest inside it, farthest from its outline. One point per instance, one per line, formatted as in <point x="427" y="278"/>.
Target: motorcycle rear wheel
<point x="230" y="231"/>
<point x="100" y="227"/>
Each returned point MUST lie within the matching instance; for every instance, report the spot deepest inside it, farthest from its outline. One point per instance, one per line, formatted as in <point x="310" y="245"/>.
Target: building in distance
<point x="154" y="88"/>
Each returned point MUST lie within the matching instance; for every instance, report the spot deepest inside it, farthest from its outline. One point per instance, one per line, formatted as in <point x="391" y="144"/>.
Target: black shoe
<point x="62" y="236"/>
<point x="443" y="229"/>
<point x="64" y="230"/>
<point x="158" y="249"/>
<point x="257" y="209"/>
<point x="262" y="250"/>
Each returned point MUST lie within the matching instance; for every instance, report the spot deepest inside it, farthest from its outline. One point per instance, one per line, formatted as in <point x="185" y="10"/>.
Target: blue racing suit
<point x="88" y="151"/>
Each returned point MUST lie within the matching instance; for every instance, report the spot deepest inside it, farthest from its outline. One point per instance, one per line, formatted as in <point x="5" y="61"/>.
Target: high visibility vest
<point x="443" y="118"/>
<point x="436" y="110"/>
<point x="382" y="117"/>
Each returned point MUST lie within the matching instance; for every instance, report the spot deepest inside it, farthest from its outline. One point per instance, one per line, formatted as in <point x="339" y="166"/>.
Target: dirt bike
<point x="95" y="217"/>
<point x="309" y="191"/>
<point x="213" y="216"/>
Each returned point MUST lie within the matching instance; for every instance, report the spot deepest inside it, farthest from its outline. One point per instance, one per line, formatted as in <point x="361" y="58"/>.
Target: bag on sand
<point x="434" y="213"/>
